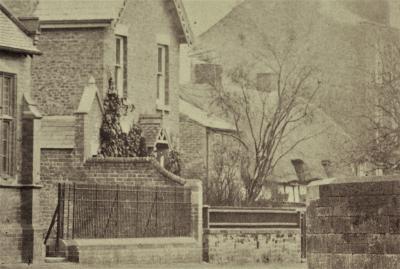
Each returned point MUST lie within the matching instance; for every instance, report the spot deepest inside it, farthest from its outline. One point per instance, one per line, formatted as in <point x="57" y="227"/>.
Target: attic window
<point x="121" y="74"/>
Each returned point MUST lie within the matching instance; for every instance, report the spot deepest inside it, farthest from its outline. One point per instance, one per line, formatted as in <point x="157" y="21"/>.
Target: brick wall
<point x="69" y="58"/>
<point x="11" y="230"/>
<point x="19" y="234"/>
<point x="20" y="227"/>
<point x="193" y="146"/>
<point x="67" y="166"/>
<point x="20" y="66"/>
<point x="20" y="240"/>
<point x="185" y="249"/>
<point x="197" y="146"/>
<point x="252" y="245"/>
<point x="354" y="223"/>
<point x="147" y="21"/>
<point x="135" y="171"/>
<point x="72" y="55"/>
<point x="58" y="166"/>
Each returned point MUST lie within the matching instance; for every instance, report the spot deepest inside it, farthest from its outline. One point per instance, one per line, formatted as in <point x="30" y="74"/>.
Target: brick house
<point x="84" y="44"/>
<point x="198" y="98"/>
<point x="134" y="42"/>
<point x="201" y="132"/>
<point x="20" y="158"/>
<point x="336" y="38"/>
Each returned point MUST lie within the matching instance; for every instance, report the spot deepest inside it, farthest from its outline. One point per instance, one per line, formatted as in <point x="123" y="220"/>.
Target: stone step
<point x="55" y="259"/>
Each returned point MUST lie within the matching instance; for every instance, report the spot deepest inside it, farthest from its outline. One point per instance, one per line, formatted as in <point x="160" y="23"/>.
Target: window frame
<point x="162" y="77"/>
<point x="121" y="66"/>
<point x="7" y="159"/>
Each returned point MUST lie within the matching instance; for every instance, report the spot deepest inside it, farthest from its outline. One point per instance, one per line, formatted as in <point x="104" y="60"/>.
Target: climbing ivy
<point x="113" y="141"/>
<point x="173" y="162"/>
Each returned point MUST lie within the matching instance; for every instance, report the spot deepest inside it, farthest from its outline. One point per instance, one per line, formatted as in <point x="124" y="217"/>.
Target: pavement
<point x="159" y="266"/>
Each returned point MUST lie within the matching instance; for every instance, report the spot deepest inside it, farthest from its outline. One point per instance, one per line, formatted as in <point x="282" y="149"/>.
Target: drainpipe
<point x="207" y="166"/>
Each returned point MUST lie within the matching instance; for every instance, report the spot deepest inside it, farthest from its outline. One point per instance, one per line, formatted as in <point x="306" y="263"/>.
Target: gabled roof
<point x="75" y="11"/>
<point x="203" y="118"/>
<point x="13" y="35"/>
<point x="90" y="95"/>
<point x="151" y="128"/>
<point x="196" y="101"/>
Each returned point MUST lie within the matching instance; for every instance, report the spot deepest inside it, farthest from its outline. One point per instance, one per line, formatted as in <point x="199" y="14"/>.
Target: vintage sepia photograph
<point x="203" y="134"/>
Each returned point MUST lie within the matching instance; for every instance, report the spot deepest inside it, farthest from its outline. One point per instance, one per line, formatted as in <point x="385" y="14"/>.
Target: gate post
<point x="197" y="209"/>
<point x="303" y="235"/>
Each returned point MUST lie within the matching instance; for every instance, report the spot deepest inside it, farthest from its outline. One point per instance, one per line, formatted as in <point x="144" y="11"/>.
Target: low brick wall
<point x="252" y="245"/>
<point x="61" y="166"/>
<point x="137" y="171"/>
<point x="354" y="223"/>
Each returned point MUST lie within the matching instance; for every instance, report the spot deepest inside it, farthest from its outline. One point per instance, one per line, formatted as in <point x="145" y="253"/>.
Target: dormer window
<point x="121" y="66"/>
<point x="162" y="75"/>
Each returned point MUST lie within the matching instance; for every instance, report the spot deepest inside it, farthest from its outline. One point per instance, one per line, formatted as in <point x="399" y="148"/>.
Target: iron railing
<point x="119" y="211"/>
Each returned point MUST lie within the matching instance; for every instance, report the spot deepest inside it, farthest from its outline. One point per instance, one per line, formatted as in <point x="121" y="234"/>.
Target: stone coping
<point x="20" y="186"/>
<point x="344" y="180"/>
<point x="248" y="230"/>
<point x="131" y="241"/>
<point x="133" y="160"/>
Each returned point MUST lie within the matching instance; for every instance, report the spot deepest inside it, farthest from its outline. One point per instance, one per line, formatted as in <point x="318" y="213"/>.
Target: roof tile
<point x="12" y="36"/>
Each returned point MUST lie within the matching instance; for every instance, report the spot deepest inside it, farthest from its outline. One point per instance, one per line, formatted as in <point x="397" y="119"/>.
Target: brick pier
<point x="354" y="223"/>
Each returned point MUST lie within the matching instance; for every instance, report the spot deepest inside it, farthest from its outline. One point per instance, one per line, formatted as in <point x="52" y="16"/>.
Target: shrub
<point x="173" y="162"/>
<point x="113" y="141"/>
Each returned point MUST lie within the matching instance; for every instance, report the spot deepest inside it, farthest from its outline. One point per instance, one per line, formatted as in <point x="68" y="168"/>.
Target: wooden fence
<point x="256" y="218"/>
<point x="246" y="217"/>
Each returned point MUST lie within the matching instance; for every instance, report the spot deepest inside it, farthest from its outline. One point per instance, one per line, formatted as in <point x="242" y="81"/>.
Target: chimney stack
<point x="207" y="73"/>
<point x="301" y="170"/>
<point x="327" y="164"/>
<point x="265" y="82"/>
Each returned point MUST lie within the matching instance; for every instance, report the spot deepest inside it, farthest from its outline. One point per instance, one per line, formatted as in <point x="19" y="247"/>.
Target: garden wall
<point x="252" y="235"/>
<point x="354" y="223"/>
<point x="252" y="245"/>
<point x="62" y="166"/>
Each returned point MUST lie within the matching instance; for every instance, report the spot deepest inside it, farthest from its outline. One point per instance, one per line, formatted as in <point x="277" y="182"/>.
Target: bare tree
<point x="381" y="142"/>
<point x="224" y="187"/>
<point x="264" y="120"/>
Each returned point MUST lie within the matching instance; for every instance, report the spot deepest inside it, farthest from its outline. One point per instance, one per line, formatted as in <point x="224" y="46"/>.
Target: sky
<point x="205" y="13"/>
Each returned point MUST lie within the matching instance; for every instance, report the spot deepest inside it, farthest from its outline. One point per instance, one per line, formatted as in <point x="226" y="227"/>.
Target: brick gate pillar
<point x="32" y="231"/>
<point x="354" y="223"/>
<point x="197" y="209"/>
